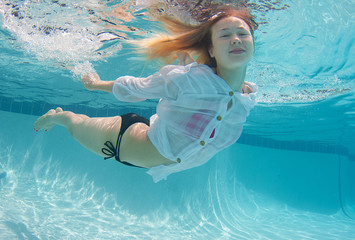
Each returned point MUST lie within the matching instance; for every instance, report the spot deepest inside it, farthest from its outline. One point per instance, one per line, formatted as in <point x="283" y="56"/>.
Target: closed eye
<point x="226" y="35"/>
<point x="244" y="34"/>
<point x="239" y="34"/>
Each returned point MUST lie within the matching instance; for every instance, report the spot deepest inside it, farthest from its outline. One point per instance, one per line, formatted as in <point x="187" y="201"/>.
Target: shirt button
<point x="202" y="143"/>
<point x="231" y="93"/>
<point x="219" y="118"/>
<point x="178" y="160"/>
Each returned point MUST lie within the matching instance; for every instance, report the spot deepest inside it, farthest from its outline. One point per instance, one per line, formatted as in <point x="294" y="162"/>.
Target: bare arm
<point x="92" y="81"/>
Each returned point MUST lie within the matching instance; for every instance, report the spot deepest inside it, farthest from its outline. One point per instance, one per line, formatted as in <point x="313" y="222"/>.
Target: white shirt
<point x="197" y="116"/>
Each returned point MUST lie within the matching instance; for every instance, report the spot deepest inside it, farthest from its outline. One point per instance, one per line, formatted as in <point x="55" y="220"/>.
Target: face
<point x="232" y="43"/>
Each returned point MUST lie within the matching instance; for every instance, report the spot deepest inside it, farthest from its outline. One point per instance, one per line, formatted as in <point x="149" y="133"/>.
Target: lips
<point x="237" y="51"/>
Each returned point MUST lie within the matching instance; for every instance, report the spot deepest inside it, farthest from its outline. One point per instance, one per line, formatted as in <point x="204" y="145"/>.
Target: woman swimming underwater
<point x="202" y="107"/>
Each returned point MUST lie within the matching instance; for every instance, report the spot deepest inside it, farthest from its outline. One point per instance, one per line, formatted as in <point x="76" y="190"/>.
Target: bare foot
<point x="45" y="122"/>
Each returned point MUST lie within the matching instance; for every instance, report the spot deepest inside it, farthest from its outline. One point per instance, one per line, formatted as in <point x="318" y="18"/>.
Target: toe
<point x="42" y="122"/>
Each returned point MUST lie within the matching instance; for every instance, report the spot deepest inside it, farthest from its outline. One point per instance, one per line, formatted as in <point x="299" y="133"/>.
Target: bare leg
<point x="92" y="133"/>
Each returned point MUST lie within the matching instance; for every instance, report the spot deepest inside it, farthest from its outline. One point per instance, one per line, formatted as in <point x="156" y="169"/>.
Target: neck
<point x="234" y="77"/>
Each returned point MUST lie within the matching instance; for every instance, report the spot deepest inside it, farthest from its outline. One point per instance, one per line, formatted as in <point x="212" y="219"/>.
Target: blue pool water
<point x="290" y="176"/>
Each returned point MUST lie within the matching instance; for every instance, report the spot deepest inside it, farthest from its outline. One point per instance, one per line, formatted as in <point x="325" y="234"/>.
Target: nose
<point x="236" y="40"/>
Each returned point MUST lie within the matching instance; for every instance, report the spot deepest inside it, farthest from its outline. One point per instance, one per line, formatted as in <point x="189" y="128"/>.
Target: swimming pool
<point x="290" y="176"/>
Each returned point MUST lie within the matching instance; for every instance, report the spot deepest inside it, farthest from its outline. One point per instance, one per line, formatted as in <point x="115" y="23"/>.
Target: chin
<point x="236" y="65"/>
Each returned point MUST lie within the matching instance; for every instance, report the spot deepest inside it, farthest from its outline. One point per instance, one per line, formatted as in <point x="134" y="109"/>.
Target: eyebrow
<point x="225" y="29"/>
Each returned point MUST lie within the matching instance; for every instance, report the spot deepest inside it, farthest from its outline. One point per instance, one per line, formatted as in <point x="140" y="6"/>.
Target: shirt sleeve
<point x="163" y="84"/>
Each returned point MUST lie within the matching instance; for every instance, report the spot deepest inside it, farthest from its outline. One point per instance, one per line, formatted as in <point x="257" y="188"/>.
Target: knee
<point x="74" y="124"/>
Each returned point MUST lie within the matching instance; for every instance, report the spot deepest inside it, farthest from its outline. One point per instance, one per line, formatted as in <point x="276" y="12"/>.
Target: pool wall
<point x="308" y="181"/>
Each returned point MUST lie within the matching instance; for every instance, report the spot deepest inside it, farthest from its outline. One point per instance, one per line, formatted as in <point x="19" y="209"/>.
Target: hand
<point x="246" y="88"/>
<point x="90" y="80"/>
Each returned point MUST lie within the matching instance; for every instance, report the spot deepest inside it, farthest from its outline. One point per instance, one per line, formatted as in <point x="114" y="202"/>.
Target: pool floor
<point x="52" y="188"/>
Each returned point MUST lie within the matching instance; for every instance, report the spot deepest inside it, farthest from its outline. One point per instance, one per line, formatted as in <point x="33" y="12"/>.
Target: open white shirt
<point x="197" y="116"/>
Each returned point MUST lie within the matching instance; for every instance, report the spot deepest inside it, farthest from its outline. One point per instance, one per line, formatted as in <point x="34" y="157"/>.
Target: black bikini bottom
<point x="127" y="120"/>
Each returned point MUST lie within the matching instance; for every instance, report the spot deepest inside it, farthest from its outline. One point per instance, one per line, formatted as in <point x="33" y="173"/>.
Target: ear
<point x="210" y="51"/>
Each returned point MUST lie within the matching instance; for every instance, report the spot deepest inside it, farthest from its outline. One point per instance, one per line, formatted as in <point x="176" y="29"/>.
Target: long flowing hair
<point x="195" y="39"/>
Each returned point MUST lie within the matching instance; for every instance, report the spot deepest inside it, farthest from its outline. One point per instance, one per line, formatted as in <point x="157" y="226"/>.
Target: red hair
<point x="195" y="39"/>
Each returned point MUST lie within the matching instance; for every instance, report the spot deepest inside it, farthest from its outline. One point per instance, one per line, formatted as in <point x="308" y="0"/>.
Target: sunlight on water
<point x="300" y="60"/>
<point x="244" y="211"/>
<point x="301" y="56"/>
<point x="83" y="68"/>
<point x="45" y="202"/>
<point x="42" y="200"/>
<point x="64" y="32"/>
